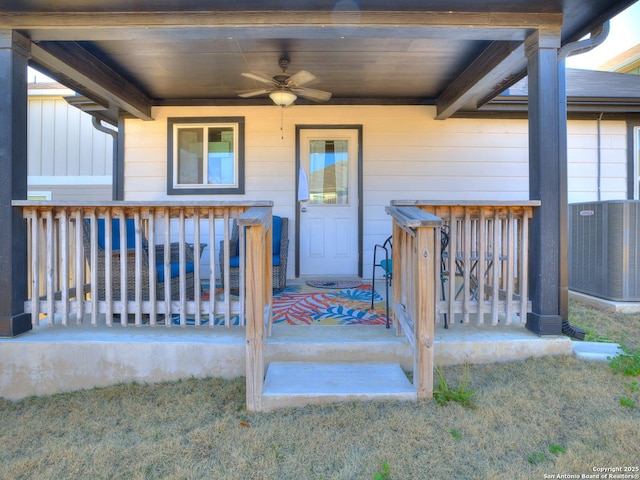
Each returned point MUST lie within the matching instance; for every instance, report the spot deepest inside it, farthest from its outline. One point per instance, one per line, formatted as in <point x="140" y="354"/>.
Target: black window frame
<point x="206" y="189"/>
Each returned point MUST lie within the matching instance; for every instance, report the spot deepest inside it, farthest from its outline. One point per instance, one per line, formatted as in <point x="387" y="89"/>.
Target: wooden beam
<point x="394" y="19"/>
<point x="487" y="73"/>
<point x="74" y="62"/>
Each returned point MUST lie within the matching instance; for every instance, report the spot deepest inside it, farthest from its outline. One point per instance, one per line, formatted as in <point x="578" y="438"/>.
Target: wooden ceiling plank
<point x="74" y="62"/>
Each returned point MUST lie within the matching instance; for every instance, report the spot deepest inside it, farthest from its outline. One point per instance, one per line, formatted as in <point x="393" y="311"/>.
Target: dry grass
<point x="199" y="429"/>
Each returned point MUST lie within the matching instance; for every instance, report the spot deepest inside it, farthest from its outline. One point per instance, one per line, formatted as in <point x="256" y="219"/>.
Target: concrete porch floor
<point x="51" y="360"/>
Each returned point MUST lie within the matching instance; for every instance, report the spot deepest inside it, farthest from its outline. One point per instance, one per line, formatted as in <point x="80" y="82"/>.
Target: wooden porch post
<point x="258" y="288"/>
<point x="425" y="307"/>
<point x="547" y="183"/>
<point x="14" y="50"/>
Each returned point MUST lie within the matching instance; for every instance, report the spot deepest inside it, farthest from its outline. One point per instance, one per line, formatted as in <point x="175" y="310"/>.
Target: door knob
<point x="303" y="209"/>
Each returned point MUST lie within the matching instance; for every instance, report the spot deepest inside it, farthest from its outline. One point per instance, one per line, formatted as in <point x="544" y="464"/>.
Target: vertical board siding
<point x="63" y="142"/>
<point x="407" y="155"/>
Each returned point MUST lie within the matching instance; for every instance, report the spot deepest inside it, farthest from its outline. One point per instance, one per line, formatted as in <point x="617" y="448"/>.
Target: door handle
<point x="303" y="209"/>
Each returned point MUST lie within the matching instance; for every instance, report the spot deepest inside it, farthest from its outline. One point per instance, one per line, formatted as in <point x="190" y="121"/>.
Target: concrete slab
<point x="297" y="384"/>
<point x="57" y="359"/>
<point x="596" y="350"/>
<point x="604" y="304"/>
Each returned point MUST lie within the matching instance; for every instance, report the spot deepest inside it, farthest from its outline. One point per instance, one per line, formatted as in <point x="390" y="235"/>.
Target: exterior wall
<point x="67" y="156"/>
<point x="407" y="155"/>
<point x="583" y="161"/>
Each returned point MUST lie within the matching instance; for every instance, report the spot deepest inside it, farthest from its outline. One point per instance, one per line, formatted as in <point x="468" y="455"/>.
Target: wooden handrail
<point x="414" y="278"/>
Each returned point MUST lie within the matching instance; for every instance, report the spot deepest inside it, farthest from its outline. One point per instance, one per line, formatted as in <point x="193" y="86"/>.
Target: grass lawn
<point x="546" y="416"/>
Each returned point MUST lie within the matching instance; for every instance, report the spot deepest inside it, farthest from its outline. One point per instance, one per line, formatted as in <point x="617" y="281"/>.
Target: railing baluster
<point x="497" y="262"/>
<point x="482" y="264"/>
<point x="94" y="270"/>
<point x="153" y="273"/>
<point x="124" y="274"/>
<point x="242" y="286"/>
<point x="168" y="315"/>
<point x="466" y="281"/>
<point x="196" y="265"/>
<point x="79" y="268"/>
<point x="50" y="295"/>
<point x="511" y="238"/>
<point x="138" y="267"/>
<point x="226" y="270"/>
<point x="182" y="268"/>
<point x="106" y="261"/>
<point x="524" y="267"/>
<point x="36" y="262"/>
<point x="212" y="268"/>
<point x="453" y="245"/>
<point x="64" y="266"/>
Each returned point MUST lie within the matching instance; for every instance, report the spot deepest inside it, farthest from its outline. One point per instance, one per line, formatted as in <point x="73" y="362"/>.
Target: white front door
<point x="329" y="218"/>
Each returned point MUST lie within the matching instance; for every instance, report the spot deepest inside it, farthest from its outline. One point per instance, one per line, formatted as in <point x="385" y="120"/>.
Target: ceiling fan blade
<point x="259" y="77"/>
<point x="301" y="78"/>
<point x="312" y="94"/>
<point x="253" y="93"/>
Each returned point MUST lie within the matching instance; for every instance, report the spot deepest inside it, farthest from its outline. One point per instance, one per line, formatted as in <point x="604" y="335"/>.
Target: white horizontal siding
<point x="407" y="155"/>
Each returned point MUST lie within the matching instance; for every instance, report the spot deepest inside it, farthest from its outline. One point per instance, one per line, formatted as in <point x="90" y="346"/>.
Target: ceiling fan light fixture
<point x="282" y="98"/>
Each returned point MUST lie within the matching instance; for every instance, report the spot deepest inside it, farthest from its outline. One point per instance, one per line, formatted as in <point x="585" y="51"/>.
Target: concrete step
<point x="596" y="350"/>
<point x="295" y="384"/>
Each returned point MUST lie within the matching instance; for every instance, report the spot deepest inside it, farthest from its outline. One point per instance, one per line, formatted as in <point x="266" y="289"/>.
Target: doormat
<point x="297" y="305"/>
<point x="334" y="283"/>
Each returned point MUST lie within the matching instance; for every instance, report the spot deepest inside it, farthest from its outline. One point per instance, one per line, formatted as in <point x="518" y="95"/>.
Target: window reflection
<point x="328" y="172"/>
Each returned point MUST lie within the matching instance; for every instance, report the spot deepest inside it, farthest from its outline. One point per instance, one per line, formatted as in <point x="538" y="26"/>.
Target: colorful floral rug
<point x="303" y="305"/>
<point x="300" y="304"/>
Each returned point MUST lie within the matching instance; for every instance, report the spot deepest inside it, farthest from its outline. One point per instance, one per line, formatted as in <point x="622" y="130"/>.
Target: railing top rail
<point x="134" y="204"/>
<point x="255" y="216"/>
<point x="469" y="203"/>
<point x="413" y="217"/>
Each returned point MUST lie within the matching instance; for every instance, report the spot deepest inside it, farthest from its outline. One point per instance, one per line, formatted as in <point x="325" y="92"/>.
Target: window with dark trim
<point x="205" y="156"/>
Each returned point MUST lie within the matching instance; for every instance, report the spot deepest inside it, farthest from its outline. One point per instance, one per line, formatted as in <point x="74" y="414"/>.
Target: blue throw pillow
<point x="277" y="232"/>
<point x="115" y="233"/>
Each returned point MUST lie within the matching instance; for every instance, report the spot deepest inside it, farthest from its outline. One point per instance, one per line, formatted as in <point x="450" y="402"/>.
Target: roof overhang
<point x="456" y="54"/>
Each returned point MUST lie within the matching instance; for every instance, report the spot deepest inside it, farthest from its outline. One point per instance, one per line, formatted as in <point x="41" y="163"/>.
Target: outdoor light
<point x="282" y="98"/>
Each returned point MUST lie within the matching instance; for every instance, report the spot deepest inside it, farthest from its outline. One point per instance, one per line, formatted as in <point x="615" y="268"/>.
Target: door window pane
<point x="328" y="172"/>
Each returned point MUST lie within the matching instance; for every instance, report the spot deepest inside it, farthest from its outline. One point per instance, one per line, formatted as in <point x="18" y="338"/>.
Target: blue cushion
<point x="277" y="233"/>
<point x="234" y="262"/>
<point x="275" y="241"/>
<point x="387" y="265"/>
<point x="115" y="233"/>
<point x="174" y="269"/>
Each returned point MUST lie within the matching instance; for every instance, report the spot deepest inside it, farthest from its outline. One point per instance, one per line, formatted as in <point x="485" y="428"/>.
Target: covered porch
<point x="401" y="76"/>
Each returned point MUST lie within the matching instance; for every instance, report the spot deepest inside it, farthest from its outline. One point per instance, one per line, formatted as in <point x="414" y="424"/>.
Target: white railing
<point x="174" y="253"/>
<point x="484" y="261"/>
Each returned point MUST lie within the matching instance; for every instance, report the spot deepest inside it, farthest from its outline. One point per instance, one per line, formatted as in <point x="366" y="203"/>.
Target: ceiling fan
<point x="283" y="88"/>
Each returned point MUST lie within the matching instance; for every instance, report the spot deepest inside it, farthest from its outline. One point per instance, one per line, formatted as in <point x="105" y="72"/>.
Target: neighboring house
<point x="68" y="158"/>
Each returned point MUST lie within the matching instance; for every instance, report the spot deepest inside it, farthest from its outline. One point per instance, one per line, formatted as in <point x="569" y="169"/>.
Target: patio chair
<point x="386" y="264"/>
<point x="131" y="266"/>
<point x="280" y="252"/>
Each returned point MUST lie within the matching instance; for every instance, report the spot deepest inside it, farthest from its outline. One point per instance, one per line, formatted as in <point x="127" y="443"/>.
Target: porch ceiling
<point x="456" y="54"/>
